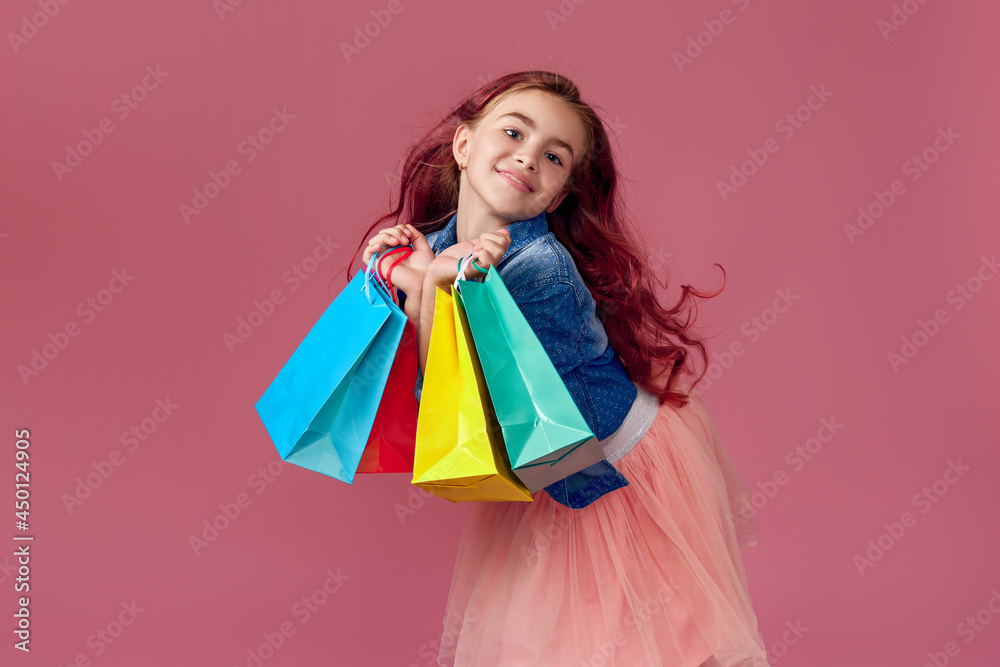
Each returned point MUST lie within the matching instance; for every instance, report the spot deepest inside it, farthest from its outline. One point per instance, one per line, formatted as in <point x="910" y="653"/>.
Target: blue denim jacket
<point x="544" y="282"/>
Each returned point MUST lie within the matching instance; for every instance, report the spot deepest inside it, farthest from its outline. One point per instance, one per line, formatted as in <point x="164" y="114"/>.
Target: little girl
<point x="636" y="560"/>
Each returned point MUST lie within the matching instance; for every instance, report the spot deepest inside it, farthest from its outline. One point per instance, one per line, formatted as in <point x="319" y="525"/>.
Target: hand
<point x="444" y="269"/>
<point x="491" y="247"/>
<point x="409" y="273"/>
<point x="488" y="250"/>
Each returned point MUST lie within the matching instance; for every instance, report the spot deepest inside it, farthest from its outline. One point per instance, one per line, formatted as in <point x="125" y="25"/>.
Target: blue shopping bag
<point x="320" y="408"/>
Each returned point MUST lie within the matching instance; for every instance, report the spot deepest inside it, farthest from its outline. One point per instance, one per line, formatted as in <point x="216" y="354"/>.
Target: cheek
<point x="486" y="162"/>
<point x="555" y="185"/>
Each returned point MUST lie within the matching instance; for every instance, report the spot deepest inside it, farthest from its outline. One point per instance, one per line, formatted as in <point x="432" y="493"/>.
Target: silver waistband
<point x="638" y="420"/>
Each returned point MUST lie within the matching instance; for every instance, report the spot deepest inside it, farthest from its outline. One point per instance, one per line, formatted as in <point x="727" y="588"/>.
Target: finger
<point x="380" y="243"/>
<point x="496" y="237"/>
<point x="420" y="243"/>
<point x="390" y="234"/>
<point x="471" y="272"/>
<point x="491" y="246"/>
<point x="412" y="234"/>
<point x="400" y="232"/>
<point x="484" y="257"/>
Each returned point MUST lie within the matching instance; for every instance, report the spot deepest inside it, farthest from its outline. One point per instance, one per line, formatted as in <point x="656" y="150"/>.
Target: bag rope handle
<point x="463" y="264"/>
<point x="372" y="271"/>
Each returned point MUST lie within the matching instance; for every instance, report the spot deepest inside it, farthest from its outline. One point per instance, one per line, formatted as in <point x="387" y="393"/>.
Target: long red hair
<point x="650" y="339"/>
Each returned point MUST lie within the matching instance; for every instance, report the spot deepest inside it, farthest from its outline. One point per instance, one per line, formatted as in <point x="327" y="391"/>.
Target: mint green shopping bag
<point x="547" y="438"/>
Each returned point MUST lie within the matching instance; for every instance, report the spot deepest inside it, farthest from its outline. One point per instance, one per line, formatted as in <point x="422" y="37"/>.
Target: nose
<point x="525" y="157"/>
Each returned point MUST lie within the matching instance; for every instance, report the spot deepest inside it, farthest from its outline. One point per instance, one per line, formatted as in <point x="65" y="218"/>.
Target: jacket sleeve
<point x="554" y="312"/>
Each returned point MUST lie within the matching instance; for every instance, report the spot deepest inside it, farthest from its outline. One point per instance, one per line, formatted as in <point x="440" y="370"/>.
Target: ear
<point x="460" y="144"/>
<point x="557" y="200"/>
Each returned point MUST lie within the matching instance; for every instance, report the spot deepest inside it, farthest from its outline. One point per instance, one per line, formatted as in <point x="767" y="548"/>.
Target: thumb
<point x="419" y="242"/>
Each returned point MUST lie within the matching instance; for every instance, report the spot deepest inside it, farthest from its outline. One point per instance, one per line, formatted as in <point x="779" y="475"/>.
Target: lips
<point x="517" y="180"/>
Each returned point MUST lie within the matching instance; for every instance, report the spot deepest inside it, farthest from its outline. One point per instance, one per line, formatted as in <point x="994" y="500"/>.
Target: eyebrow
<point x="531" y="124"/>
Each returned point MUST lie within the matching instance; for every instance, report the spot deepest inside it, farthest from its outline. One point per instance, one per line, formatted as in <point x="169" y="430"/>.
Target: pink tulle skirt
<point x="649" y="574"/>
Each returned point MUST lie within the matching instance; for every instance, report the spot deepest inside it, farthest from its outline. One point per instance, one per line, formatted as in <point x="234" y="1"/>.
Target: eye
<point x="507" y="130"/>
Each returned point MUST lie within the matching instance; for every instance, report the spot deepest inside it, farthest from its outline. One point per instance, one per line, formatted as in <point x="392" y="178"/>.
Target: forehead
<point x="552" y="117"/>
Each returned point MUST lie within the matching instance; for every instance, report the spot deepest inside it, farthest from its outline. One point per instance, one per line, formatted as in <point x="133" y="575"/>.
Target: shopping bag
<point x="320" y="408"/>
<point x="460" y="454"/>
<point x="546" y="436"/>
<point x="394" y="432"/>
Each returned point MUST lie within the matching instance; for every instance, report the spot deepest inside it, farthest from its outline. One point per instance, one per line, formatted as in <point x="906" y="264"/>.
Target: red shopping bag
<point x="394" y="431"/>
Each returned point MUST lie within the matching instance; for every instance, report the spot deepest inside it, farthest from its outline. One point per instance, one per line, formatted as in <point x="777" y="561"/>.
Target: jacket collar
<point x="522" y="233"/>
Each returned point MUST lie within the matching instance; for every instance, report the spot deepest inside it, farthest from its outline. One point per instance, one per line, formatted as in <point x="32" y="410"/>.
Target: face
<point x="532" y="137"/>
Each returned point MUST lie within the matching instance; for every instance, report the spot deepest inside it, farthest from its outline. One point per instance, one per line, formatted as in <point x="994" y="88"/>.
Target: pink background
<point x="325" y="174"/>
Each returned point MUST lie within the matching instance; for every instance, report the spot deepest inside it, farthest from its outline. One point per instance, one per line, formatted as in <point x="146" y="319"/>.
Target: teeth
<point x="515" y="178"/>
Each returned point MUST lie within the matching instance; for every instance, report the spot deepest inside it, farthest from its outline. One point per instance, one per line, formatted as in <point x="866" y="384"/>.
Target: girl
<point x="634" y="561"/>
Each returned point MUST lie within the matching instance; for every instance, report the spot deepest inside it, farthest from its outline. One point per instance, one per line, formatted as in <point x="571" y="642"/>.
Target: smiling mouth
<point x="515" y="180"/>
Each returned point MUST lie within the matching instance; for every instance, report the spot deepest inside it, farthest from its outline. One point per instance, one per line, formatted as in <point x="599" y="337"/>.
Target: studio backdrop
<point x="184" y="184"/>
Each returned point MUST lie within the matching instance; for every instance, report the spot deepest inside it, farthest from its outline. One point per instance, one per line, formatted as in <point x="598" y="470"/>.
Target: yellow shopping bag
<point x="459" y="452"/>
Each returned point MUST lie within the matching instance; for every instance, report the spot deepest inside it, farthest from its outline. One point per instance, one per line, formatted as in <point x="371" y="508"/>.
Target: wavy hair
<point x="650" y="339"/>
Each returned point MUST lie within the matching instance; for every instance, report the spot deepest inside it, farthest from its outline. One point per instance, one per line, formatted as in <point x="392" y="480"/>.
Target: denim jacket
<point x="544" y="282"/>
